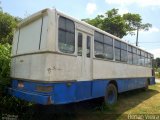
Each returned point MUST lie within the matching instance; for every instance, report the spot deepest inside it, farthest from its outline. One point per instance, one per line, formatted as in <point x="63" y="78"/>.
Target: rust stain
<point x="53" y="69"/>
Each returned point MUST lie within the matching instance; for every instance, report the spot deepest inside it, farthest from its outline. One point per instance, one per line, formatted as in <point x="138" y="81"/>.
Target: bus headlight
<point x="40" y="88"/>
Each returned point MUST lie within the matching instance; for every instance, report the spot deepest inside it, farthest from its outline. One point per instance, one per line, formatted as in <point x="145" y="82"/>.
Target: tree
<point x="114" y="23"/>
<point x="134" y="23"/>
<point x="110" y="22"/>
<point x="8" y="104"/>
<point x="7" y="25"/>
<point x="5" y="53"/>
<point x="156" y="63"/>
<point x="118" y="25"/>
<point x="97" y="21"/>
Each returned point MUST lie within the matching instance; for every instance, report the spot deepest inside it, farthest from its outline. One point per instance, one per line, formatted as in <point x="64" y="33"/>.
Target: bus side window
<point x="88" y="46"/>
<point x="139" y="57"/>
<point x="124" y="52"/>
<point x="135" y="60"/>
<point x="66" y="35"/>
<point x="142" y="58"/>
<point x="117" y="46"/>
<point x="80" y="44"/>
<point x="149" y="60"/>
<point x="130" y="55"/>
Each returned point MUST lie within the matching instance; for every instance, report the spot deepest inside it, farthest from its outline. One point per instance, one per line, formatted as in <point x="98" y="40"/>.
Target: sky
<point x="80" y="9"/>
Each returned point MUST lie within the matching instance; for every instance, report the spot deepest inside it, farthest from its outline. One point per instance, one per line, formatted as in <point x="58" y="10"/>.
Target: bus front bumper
<point x="31" y="97"/>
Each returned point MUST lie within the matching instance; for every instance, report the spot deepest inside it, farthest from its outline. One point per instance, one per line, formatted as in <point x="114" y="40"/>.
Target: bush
<point x="8" y="104"/>
<point x="157" y="74"/>
<point x="5" y="59"/>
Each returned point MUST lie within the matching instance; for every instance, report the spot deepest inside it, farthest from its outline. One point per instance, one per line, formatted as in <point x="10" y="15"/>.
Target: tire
<point x="110" y="97"/>
<point x="146" y="85"/>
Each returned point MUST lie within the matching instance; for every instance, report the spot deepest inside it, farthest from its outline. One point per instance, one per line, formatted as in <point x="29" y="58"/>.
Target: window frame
<point x="67" y="31"/>
<point x="142" y="57"/>
<point x="78" y="53"/>
<point x="138" y="56"/>
<point x="124" y="49"/>
<point x="88" y="46"/>
<point x="130" y="51"/>
<point x="117" y="47"/>
<point x="103" y="43"/>
<point x="134" y="59"/>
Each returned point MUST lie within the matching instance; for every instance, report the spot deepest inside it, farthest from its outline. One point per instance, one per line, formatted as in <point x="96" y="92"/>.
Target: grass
<point x="147" y="102"/>
<point x="138" y="102"/>
<point x="135" y="102"/>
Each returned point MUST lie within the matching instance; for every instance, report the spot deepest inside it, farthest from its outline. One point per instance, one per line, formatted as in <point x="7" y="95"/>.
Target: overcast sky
<point x="148" y="9"/>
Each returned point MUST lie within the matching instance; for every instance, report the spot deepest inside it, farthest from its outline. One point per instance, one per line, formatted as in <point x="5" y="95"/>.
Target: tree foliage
<point x="5" y="52"/>
<point x="8" y="104"/>
<point x="7" y="25"/>
<point x="134" y="22"/>
<point x="156" y="63"/>
<point x="118" y="25"/>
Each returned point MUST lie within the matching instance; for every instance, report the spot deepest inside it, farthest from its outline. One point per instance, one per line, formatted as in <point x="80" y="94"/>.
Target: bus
<point x="57" y="59"/>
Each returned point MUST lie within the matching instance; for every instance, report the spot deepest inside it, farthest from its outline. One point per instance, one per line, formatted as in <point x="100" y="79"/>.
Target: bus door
<point x="84" y="43"/>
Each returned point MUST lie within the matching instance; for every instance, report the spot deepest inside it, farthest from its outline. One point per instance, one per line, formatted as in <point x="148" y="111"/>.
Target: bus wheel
<point x="146" y="84"/>
<point x="110" y="97"/>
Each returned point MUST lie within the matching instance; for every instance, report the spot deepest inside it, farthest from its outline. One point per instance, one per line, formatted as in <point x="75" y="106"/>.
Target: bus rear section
<point x="39" y="73"/>
<point x="28" y="61"/>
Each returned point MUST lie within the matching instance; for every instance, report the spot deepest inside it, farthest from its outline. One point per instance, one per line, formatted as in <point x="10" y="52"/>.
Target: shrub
<point x="157" y="74"/>
<point x="9" y="104"/>
<point x="5" y="58"/>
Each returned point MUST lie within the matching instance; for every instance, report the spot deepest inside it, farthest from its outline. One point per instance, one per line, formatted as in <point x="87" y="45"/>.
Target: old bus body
<point x="57" y="59"/>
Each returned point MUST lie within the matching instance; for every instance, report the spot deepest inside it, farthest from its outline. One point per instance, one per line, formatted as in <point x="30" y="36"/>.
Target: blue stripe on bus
<point x="67" y="92"/>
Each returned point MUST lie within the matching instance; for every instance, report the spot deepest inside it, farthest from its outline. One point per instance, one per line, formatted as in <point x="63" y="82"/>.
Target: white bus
<point x="57" y="59"/>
